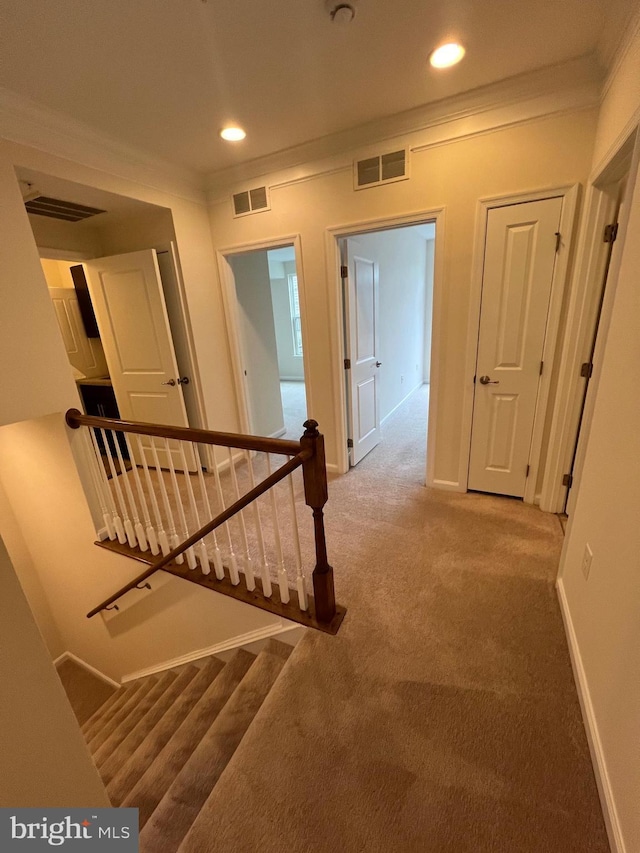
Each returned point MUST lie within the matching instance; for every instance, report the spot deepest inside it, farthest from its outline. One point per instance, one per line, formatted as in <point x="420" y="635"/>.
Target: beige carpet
<point x="443" y="718"/>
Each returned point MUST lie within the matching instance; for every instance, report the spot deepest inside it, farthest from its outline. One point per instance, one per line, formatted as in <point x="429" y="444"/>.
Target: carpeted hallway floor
<point x="443" y="718"/>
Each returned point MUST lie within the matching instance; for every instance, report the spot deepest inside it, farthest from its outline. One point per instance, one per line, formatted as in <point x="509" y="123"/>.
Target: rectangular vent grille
<point x="55" y="208"/>
<point x="250" y="201"/>
<point x="382" y="169"/>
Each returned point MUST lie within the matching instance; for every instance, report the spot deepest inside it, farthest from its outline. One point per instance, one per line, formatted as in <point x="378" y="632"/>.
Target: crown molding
<point x="31" y="124"/>
<point x="578" y="80"/>
<point x="614" y="55"/>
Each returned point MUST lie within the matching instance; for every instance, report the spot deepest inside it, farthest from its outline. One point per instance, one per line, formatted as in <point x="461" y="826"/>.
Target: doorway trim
<point x="570" y="195"/>
<point x="600" y="207"/>
<point x="334" y="288"/>
<point x="230" y="304"/>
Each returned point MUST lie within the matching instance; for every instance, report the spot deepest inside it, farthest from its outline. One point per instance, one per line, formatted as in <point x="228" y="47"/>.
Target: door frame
<point x="570" y="196"/>
<point x="230" y="305"/>
<point x="333" y="235"/>
<point x="600" y="204"/>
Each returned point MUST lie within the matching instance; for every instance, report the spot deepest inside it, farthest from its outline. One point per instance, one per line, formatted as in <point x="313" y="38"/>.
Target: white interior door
<point x="85" y="354"/>
<point x="520" y="252"/>
<point x="126" y="292"/>
<point x="362" y="336"/>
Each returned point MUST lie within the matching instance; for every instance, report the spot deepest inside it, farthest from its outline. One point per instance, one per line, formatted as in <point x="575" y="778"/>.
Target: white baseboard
<point x="607" y="800"/>
<point x="404" y="400"/>
<point x="226" y="645"/>
<point x="70" y="656"/>
<point x="278" y="433"/>
<point x="332" y="468"/>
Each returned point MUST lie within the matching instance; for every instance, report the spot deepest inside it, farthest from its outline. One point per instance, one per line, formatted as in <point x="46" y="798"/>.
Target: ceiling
<point x="163" y="76"/>
<point x="116" y="207"/>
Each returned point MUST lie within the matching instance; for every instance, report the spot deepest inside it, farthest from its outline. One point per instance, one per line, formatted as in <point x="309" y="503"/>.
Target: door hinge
<point x="610" y="233"/>
<point x="567" y="480"/>
<point x="347" y="364"/>
<point x="558" y="241"/>
<point x="541" y="368"/>
<point x="349" y="443"/>
<point x="586" y="370"/>
<point x="344" y="272"/>
<point x="528" y="469"/>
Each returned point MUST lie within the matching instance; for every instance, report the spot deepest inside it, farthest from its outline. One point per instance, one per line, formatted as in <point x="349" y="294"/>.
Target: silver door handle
<point x="170" y="382"/>
<point x="486" y="380"/>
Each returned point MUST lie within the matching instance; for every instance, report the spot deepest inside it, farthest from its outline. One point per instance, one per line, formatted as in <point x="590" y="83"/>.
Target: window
<point x="294" y="307"/>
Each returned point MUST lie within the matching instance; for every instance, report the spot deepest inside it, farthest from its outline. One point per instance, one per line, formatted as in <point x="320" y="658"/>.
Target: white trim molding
<point x="230" y="303"/>
<point x="569" y="195"/>
<point x="554" y="90"/>
<point x="586" y="286"/>
<point x="607" y="800"/>
<point x="237" y="642"/>
<point x="70" y="656"/>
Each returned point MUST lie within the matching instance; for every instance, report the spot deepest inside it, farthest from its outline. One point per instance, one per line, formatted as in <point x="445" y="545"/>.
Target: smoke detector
<point x="341" y="13"/>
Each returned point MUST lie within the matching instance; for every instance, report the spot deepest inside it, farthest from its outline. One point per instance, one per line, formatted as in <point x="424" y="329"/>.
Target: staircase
<point x="161" y="743"/>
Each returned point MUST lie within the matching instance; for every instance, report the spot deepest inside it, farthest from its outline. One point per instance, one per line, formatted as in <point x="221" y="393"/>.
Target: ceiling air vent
<point x="382" y="169"/>
<point x="55" y="208"/>
<point x="251" y="201"/>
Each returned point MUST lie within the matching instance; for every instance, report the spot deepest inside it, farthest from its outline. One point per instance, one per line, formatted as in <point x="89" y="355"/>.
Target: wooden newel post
<point x="316" y="494"/>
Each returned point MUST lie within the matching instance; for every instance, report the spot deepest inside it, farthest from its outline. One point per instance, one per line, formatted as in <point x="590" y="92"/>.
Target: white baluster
<point x="264" y="565"/>
<point x="235" y="577"/>
<point x="129" y="526"/>
<point x="301" y="584"/>
<point x="147" y="535"/>
<point x="217" y="556"/>
<point x="154" y="535"/>
<point x="119" y="520"/>
<point x="172" y="536"/>
<point x="283" y="581"/>
<point x="191" y="557"/>
<point x="233" y="563"/>
<point x="101" y="488"/>
<point x="201" y="547"/>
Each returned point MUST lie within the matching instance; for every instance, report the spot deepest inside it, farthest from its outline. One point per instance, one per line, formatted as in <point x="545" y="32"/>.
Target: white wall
<point x="54" y="234"/>
<point x="401" y="255"/>
<point x="604" y="610"/>
<point x="27" y="574"/>
<point x="45" y="761"/>
<point x="258" y="342"/>
<point x="548" y="152"/>
<point x="290" y="366"/>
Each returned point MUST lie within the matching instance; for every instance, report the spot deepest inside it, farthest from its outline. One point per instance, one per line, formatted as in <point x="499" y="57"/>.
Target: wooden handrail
<point x="75" y="419"/>
<point x="220" y="519"/>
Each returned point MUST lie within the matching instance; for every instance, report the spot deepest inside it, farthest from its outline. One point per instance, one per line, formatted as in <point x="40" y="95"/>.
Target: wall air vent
<point x="55" y="208"/>
<point x="251" y="201"/>
<point x="383" y="169"/>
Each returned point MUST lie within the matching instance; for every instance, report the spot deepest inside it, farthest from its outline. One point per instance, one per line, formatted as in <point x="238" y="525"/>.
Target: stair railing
<point x="154" y="492"/>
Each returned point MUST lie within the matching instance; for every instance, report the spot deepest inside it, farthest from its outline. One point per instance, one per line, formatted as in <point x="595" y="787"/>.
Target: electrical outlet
<point x="401" y="379"/>
<point x="587" y="557"/>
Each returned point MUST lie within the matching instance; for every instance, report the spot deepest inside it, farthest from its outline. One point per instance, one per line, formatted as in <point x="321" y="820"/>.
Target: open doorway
<point x="113" y="274"/>
<point x="387" y="288"/>
<point x="266" y="309"/>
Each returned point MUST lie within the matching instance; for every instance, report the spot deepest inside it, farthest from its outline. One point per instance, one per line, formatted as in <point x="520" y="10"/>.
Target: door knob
<point x="378" y="364"/>
<point x="170" y="382"/>
<point x="486" y="380"/>
<point x="183" y="381"/>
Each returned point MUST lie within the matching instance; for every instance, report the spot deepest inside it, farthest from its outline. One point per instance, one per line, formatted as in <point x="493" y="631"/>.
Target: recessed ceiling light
<point x="446" y="55"/>
<point x="232" y="134"/>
